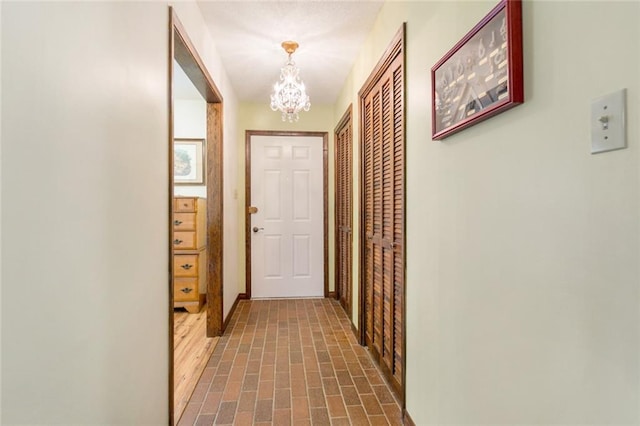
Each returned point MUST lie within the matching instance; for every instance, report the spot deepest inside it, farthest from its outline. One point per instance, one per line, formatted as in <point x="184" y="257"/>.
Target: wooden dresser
<point x="190" y="253"/>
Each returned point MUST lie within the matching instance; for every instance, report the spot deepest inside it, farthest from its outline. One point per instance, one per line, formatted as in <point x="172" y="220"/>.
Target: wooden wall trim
<point x="247" y="197"/>
<point x="187" y="56"/>
<point x="344" y="119"/>
<point x="361" y="243"/>
<point x="171" y="405"/>
<point x="241" y="296"/>
<point x="215" y="220"/>
<point x="406" y="418"/>
<point x="325" y="209"/>
<point x="402" y="34"/>
<point x="395" y="46"/>
<point x="247" y="216"/>
<point x="354" y="330"/>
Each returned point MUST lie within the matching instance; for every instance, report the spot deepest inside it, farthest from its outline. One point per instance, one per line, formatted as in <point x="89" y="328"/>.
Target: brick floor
<point x="291" y="362"/>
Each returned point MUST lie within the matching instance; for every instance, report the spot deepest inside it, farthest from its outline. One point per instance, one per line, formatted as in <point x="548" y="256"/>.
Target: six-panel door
<point x="287" y="240"/>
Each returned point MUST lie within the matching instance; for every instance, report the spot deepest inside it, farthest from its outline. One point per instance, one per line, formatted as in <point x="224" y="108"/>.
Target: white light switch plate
<point x="608" y="122"/>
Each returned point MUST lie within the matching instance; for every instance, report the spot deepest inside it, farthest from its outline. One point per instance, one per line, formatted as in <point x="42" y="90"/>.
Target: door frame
<point x="184" y="52"/>
<point x="347" y="119"/>
<point x="325" y="201"/>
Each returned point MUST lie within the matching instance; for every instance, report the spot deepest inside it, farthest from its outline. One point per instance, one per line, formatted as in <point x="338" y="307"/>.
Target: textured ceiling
<point x="248" y="35"/>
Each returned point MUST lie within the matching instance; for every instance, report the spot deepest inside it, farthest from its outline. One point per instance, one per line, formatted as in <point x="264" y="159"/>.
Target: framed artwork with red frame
<point x="481" y="76"/>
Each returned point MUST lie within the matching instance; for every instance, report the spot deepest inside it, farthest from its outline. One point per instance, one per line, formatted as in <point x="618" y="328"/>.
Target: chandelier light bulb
<point x="289" y="93"/>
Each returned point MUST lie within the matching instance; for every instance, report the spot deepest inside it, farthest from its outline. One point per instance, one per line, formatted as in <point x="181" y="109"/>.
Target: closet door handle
<point x="177" y="241"/>
<point x="177" y="222"/>
<point x="186" y="266"/>
<point x="186" y="290"/>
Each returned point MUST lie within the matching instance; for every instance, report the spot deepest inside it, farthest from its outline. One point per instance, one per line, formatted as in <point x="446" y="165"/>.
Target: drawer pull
<point x="186" y="290"/>
<point x="186" y="266"/>
<point x="177" y="241"/>
<point x="177" y="222"/>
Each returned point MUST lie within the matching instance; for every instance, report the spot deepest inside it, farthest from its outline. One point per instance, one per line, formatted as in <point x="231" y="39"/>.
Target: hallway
<point x="292" y="361"/>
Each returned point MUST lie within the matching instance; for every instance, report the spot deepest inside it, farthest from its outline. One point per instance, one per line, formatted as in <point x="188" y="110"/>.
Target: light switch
<point x="608" y="122"/>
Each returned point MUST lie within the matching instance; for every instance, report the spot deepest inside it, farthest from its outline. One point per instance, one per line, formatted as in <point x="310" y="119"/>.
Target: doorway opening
<point x="294" y="208"/>
<point x="195" y="215"/>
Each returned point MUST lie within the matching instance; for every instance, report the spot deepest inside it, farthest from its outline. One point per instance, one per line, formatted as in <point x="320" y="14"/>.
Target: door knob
<point x="256" y="229"/>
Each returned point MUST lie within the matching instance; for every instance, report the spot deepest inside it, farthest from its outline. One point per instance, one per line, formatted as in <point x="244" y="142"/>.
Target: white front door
<point x="287" y="241"/>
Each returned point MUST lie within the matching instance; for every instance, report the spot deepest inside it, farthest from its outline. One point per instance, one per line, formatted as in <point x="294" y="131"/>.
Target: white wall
<point x="190" y="118"/>
<point x="84" y="307"/>
<point x="190" y="122"/>
<point x="254" y="116"/>
<point x="523" y="249"/>
<point x="84" y="213"/>
<point x="191" y="18"/>
<point x="0" y="215"/>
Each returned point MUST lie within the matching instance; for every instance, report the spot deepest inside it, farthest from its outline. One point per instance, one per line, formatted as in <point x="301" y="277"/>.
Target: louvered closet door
<point x="383" y="221"/>
<point x="344" y="212"/>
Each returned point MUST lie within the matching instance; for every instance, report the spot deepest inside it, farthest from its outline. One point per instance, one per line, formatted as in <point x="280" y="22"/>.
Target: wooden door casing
<point x="344" y="211"/>
<point x="383" y="214"/>
<point x="184" y="53"/>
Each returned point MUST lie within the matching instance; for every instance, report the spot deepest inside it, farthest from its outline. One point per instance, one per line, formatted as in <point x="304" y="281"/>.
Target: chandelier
<point x="289" y="95"/>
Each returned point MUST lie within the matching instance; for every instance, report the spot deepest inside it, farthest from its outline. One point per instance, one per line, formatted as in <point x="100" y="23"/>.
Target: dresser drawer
<point x="185" y="265"/>
<point x="184" y="240"/>
<point x="184" y="221"/>
<point x="184" y="205"/>
<point x="185" y="289"/>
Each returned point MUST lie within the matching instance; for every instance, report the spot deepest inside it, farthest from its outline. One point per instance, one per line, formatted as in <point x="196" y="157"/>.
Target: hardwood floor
<point x="192" y="350"/>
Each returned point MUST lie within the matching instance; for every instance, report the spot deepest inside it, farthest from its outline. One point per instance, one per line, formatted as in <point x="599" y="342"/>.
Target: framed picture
<point x="189" y="162"/>
<point x="481" y="76"/>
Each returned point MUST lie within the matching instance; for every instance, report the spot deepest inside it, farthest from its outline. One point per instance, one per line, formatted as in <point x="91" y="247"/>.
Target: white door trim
<point x="325" y="166"/>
